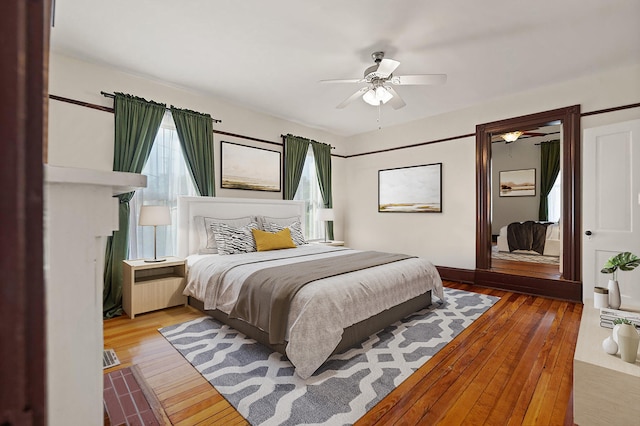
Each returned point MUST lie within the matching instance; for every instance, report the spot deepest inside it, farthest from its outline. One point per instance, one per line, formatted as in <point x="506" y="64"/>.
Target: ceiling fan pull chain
<point x="379" y="114"/>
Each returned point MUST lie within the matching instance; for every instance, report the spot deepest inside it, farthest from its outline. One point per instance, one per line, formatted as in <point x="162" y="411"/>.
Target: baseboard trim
<point x="555" y="289"/>
<point x="460" y="275"/>
<point x="568" y="290"/>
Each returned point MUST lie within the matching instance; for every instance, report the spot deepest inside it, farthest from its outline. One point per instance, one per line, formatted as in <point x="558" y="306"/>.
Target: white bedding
<point x="322" y="309"/>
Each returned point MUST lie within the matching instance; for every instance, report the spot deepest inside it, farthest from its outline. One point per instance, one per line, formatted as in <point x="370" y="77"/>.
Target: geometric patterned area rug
<point x="263" y="387"/>
<point x="524" y="257"/>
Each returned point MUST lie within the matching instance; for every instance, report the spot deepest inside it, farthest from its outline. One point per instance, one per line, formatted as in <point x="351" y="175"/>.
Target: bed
<point x="552" y="244"/>
<point x="331" y="313"/>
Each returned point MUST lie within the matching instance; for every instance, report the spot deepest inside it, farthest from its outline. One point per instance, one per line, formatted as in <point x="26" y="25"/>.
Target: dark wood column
<point x="24" y="31"/>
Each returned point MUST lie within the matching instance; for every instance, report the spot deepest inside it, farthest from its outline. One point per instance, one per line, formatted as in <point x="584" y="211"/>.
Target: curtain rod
<point x="284" y="136"/>
<point x="112" y="96"/>
<point x="552" y="140"/>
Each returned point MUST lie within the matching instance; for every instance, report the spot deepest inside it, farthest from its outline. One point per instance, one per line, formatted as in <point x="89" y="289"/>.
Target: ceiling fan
<point x="380" y="78"/>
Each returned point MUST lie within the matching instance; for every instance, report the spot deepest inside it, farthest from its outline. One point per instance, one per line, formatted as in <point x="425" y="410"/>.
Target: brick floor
<point x="124" y="400"/>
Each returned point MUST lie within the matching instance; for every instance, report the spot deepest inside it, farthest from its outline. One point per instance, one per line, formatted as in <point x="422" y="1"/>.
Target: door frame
<point x="569" y="287"/>
<point x="23" y="117"/>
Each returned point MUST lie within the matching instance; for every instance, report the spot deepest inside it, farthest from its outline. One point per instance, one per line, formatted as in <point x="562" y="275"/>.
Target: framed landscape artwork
<point x="415" y="189"/>
<point x="518" y="183"/>
<point x="248" y="167"/>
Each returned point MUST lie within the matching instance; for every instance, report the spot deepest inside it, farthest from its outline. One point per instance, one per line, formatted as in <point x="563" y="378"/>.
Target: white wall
<point x="83" y="137"/>
<point x="448" y="239"/>
<point x="522" y="154"/>
<point x="440" y="237"/>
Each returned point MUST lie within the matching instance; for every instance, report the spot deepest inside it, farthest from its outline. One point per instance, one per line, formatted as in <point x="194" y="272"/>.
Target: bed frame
<point x="229" y="208"/>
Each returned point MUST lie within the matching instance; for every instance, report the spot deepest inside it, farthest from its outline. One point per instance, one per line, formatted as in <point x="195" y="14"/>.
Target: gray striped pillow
<point x="234" y="240"/>
<point x="295" y="228"/>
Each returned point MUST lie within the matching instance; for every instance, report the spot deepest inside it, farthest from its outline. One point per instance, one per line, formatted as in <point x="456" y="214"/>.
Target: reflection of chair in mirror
<point x="551" y="242"/>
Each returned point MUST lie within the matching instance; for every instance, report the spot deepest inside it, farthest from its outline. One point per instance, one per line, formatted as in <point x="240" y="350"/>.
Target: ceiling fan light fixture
<point x="376" y="96"/>
<point x="511" y="136"/>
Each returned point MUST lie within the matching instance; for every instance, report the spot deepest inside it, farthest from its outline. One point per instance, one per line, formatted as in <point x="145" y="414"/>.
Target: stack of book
<point x="608" y="316"/>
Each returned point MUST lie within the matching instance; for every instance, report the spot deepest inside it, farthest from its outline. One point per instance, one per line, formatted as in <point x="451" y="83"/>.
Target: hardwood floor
<point x="528" y="269"/>
<point x="514" y="365"/>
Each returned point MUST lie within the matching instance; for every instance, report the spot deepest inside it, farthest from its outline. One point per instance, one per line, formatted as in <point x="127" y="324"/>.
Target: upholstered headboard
<point x="227" y="208"/>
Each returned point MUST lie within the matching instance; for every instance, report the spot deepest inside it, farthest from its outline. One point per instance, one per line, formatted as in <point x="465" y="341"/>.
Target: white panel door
<point x="611" y="205"/>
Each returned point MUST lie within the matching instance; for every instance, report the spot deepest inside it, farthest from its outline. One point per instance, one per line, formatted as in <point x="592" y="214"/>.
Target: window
<point x="309" y="191"/>
<point x="167" y="178"/>
<point x="554" y="200"/>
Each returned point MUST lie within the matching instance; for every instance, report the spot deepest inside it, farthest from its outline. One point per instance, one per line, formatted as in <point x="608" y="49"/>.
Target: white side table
<point x="606" y="389"/>
<point x="148" y="286"/>
<point x="334" y="243"/>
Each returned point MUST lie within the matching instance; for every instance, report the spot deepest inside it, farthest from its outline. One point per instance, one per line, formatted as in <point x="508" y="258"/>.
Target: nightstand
<point x="334" y="243"/>
<point x="150" y="286"/>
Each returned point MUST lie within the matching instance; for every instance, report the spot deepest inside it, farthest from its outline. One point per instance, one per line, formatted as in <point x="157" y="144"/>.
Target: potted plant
<point x="624" y="261"/>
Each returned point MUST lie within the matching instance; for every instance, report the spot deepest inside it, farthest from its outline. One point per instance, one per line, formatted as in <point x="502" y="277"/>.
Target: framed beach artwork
<point x="248" y="167"/>
<point x="415" y="189"/>
<point x="518" y="183"/>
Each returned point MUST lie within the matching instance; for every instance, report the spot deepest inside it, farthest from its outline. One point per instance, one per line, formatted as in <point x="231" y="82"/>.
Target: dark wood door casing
<point x="569" y="286"/>
<point x="24" y="31"/>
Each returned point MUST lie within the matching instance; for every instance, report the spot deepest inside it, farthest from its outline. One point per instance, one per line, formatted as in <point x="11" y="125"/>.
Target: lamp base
<point x="154" y="260"/>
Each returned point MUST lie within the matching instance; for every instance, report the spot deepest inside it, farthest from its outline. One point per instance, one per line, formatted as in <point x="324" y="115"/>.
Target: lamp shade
<point x="376" y="96"/>
<point x="154" y="215"/>
<point x="511" y="136"/>
<point x="325" y="215"/>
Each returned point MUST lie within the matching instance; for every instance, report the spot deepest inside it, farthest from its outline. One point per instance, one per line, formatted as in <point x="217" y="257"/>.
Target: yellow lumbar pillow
<point x="273" y="240"/>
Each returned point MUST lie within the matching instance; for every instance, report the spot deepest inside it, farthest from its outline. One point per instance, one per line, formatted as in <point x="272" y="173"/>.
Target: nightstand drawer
<point x="158" y="293"/>
<point x="148" y="286"/>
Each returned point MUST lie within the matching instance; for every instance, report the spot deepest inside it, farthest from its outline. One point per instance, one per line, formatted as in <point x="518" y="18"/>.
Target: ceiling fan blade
<point x="352" y="98"/>
<point x="419" y="79"/>
<point x="348" y="80"/>
<point x="396" y="102"/>
<point x="386" y="67"/>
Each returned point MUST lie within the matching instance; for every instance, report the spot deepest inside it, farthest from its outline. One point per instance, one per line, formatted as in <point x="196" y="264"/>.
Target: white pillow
<point x="295" y="228"/>
<point x="207" y="241"/>
<point x="265" y="221"/>
<point x="553" y="232"/>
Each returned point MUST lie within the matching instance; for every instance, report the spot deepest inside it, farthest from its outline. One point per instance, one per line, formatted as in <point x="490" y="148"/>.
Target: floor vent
<point x="109" y="359"/>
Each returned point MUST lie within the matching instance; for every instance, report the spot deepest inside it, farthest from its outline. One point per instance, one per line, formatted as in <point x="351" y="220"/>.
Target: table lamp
<point x="154" y="216"/>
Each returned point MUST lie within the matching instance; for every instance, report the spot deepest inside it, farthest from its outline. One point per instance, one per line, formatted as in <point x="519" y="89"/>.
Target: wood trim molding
<point x="568" y="290"/>
<point x="410" y="146"/>
<point x="483" y="197"/>
<point x="457" y="274"/>
<point x="249" y="138"/>
<point x="108" y="109"/>
<point x="614" y="109"/>
<point x="571" y="193"/>
<point x="215" y="132"/>
<point x="23" y="83"/>
<point x="555" y="289"/>
<point x="81" y="103"/>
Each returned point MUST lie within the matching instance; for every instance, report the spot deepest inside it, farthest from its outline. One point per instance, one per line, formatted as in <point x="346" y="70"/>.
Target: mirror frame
<point x="571" y="206"/>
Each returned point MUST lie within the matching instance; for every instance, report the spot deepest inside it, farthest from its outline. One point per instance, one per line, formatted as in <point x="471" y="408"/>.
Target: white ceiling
<point x="270" y="55"/>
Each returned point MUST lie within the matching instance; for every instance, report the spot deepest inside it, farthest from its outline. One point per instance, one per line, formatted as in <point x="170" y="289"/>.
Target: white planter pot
<point x="614" y="294"/>
<point x="628" y="340"/>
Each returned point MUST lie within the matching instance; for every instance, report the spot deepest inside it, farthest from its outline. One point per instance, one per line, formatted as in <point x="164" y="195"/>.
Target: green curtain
<point x="195" y="131"/>
<point x="322" y="156"/>
<point x="549" y="169"/>
<point x="136" y="124"/>
<point x="295" y="153"/>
